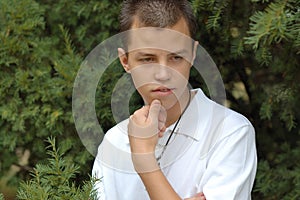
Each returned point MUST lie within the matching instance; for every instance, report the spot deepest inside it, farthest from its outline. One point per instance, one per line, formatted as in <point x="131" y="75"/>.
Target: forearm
<point x="158" y="186"/>
<point x="144" y="129"/>
<point x="155" y="182"/>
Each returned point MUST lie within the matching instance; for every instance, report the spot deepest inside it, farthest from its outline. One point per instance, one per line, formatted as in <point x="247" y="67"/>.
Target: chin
<point x="167" y="101"/>
<point x="168" y="104"/>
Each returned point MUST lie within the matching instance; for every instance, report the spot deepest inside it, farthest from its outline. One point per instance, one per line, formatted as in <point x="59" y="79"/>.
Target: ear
<point x="123" y="59"/>
<point x="195" y="51"/>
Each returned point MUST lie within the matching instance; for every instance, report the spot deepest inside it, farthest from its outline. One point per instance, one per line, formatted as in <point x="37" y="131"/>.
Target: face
<point x="159" y="61"/>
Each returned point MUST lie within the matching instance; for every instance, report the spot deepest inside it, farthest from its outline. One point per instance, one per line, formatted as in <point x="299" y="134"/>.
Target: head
<point x="159" y="56"/>
<point x="157" y="13"/>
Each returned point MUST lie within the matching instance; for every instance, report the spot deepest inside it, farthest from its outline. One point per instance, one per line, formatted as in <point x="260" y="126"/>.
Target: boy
<point x="180" y="145"/>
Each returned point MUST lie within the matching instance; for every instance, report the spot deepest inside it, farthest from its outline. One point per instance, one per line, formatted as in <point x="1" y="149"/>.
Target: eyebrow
<point x="179" y="52"/>
<point x="145" y="54"/>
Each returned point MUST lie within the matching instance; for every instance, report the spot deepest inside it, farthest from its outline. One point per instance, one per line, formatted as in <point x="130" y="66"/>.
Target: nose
<point x="162" y="73"/>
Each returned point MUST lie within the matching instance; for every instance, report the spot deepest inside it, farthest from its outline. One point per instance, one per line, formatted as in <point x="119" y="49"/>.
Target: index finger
<point x="140" y="115"/>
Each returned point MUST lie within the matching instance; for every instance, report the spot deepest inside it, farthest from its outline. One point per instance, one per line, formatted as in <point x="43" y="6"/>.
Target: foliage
<point x="260" y="74"/>
<point x="41" y="49"/>
<point x="255" y="44"/>
<point x="54" y="179"/>
<point x="280" y="179"/>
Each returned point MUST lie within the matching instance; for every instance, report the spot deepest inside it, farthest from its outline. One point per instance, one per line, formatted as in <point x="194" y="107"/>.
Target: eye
<point x="146" y="60"/>
<point x="176" y="58"/>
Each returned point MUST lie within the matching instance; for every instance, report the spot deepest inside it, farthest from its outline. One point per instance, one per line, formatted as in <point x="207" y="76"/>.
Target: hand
<point x="145" y="126"/>
<point x="199" y="196"/>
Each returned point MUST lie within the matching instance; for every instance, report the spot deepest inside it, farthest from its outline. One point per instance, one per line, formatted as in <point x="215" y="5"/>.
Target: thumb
<point x="200" y="194"/>
<point x="154" y="110"/>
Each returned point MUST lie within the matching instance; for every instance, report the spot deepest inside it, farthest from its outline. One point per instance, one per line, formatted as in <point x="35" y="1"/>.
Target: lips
<point x="162" y="91"/>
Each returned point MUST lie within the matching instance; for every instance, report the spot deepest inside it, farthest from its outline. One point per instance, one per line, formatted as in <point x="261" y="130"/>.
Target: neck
<point x="174" y="112"/>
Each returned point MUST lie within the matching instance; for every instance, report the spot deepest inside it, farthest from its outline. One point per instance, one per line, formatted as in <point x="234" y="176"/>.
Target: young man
<point x="180" y="145"/>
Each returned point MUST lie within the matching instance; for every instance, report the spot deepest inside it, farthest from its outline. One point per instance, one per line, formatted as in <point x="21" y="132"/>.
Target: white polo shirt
<point x="212" y="151"/>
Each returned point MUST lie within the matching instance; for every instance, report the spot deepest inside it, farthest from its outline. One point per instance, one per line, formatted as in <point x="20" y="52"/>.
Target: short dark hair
<point x="157" y="13"/>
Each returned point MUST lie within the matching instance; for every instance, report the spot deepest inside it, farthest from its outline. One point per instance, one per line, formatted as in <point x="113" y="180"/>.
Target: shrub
<point x="55" y="180"/>
<point x="255" y="44"/>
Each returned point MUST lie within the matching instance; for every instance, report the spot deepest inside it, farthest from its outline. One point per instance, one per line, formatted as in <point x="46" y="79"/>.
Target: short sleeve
<point x="231" y="166"/>
<point x="98" y="175"/>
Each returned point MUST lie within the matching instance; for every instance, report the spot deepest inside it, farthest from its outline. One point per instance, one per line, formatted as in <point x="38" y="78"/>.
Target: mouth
<point x="163" y="91"/>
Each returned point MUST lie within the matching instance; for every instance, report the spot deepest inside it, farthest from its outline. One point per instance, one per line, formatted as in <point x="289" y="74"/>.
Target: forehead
<point x="170" y="39"/>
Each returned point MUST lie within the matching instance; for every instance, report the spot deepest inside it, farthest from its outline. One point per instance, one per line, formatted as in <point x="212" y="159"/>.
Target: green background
<point x="255" y="44"/>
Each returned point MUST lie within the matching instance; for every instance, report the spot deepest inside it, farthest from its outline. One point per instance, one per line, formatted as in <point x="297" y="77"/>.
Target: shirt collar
<point x="194" y="118"/>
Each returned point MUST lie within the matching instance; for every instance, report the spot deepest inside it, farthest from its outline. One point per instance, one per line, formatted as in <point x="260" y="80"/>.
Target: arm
<point x="158" y="187"/>
<point x="145" y="127"/>
<point x="98" y="185"/>
<point x="231" y="166"/>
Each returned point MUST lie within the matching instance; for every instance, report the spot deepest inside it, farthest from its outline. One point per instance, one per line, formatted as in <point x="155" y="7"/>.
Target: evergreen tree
<point x="255" y="44"/>
<point x="54" y="180"/>
<point x="41" y="49"/>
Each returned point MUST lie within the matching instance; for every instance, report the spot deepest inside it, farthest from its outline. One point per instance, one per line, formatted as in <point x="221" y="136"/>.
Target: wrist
<point x="142" y="145"/>
<point x="144" y="162"/>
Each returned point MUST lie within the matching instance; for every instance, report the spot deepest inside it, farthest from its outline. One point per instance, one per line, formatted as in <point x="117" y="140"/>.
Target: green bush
<point x="41" y="49"/>
<point x="255" y="44"/>
<point x="54" y="180"/>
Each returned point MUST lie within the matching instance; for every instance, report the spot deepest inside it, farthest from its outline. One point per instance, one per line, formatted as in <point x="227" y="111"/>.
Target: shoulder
<point x="118" y="134"/>
<point x="234" y="124"/>
<point x="120" y="128"/>
<point x="234" y="120"/>
<point x="114" y="150"/>
<point x="220" y="119"/>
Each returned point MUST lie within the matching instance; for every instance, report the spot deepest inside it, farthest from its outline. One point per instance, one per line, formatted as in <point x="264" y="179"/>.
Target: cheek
<point x="143" y="75"/>
<point x="144" y="92"/>
<point x="182" y="75"/>
<point x="142" y="89"/>
<point x="139" y="77"/>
